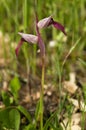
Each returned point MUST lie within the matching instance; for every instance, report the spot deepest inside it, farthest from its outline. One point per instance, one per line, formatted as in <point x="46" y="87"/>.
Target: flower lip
<point x="29" y="37"/>
<point x="59" y="26"/>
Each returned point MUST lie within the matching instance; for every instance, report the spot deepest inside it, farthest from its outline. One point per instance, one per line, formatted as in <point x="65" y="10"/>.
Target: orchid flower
<point x="49" y="21"/>
<point x="31" y="39"/>
<point x="38" y="39"/>
<point x="26" y="38"/>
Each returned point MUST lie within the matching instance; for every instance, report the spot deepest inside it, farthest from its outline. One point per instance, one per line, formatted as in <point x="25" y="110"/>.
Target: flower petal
<point x="40" y="40"/>
<point x="58" y="26"/>
<point x="29" y="37"/>
<point x="49" y="21"/>
<point x="19" y="45"/>
<point x="41" y="46"/>
<point x="44" y="22"/>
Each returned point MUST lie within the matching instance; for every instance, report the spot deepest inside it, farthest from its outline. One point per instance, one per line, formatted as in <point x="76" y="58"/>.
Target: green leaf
<point x="14" y="117"/>
<point x="49" y="120"/>
<point x="30" y="127"/>
<point x="6" y="98"/>
<point x="4" y="119"/>
<point x="9" y="119"/>
<point x="82" y="62"/>
<point x="25" y="112"/>
<point x="37" y="112"/>
<point x="70" y="51"/>
<point x="15" y="86"/>
<point x="56" y="128"/>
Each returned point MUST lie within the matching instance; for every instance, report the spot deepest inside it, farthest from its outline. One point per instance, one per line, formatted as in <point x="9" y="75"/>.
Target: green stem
<point x="25" y="15"/>
<point x="41" y="92"/>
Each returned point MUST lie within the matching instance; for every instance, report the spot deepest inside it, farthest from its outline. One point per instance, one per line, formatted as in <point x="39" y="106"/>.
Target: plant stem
<point x="41" y="93"/>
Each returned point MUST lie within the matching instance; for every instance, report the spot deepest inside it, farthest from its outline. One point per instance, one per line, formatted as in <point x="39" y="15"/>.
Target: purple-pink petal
<point x="41" y="46"/>
<point x="57" y="25"/>
<point x="29" y="38"/>
<point x="40" y="40"/>
<point x="49" y="21"/>
<point x="44" y="22"/>
<point x="19" y="45"/>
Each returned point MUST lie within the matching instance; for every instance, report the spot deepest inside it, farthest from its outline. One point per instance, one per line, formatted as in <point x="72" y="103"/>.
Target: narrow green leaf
<point x="48" y="122"/>
<point x="83" y="62"/>
<point x="70" y="51"/>
<point x="37" y="112"/>
<point x="25" y="112"/>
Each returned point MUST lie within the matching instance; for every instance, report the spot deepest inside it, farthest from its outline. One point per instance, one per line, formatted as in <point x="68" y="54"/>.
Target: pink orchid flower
<point x="38" y="39"/>
<point x="26" y="38"/>
<point x="49" y="21"/>
<point x="31" y="39"/>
